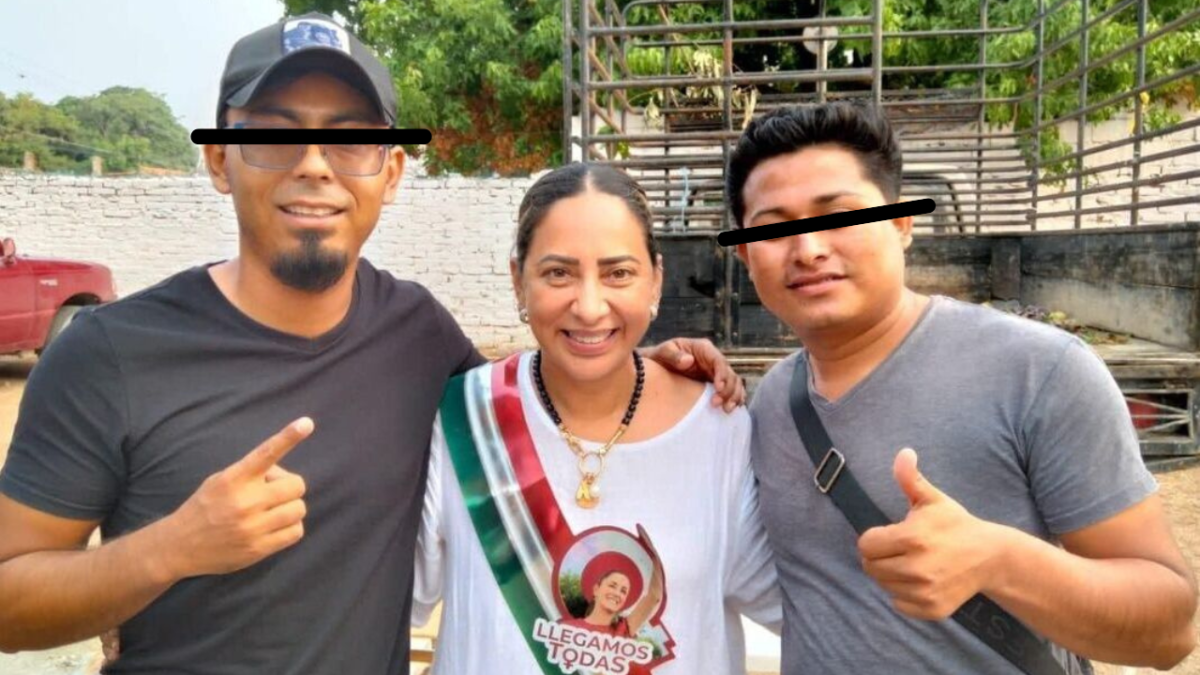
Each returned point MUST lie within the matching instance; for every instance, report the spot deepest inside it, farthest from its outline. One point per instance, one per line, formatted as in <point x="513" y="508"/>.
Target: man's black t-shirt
<point x="141" y="400"/>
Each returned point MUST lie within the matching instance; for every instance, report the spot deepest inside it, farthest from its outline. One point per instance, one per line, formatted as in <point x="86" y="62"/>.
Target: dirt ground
<point x="1180" y="490"/>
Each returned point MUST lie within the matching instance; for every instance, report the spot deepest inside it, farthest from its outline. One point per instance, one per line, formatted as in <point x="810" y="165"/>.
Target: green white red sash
<point x="518" y="521"/>
<point x="516" y="517"/>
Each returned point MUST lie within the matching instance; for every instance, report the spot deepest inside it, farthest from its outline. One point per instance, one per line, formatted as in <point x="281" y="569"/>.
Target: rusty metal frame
<point x="1002" y="183"/>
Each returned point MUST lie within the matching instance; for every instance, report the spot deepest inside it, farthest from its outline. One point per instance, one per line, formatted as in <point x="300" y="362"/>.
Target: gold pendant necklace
<point x="591" y="465"/>
<point x="590" y="462"/>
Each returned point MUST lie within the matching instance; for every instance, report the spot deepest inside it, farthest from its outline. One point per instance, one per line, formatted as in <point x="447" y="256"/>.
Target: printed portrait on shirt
<point x="611" y="593"/>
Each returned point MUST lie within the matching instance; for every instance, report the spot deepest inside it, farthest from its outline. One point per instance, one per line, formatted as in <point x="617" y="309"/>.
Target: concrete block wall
<point x="452" y="234"/>
<point x="1095" y="134"/>
<point x="1116" y="129"/>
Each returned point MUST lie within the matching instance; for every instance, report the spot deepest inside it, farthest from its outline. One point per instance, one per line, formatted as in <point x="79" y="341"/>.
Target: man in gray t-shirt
<point x="1030" y="489"/>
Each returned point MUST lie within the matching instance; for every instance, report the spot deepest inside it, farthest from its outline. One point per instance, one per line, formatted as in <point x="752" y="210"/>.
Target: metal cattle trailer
<point x="1107" y="231"/>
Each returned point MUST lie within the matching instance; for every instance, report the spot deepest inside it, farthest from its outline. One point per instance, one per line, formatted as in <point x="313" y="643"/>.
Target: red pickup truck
<point x="40" y="296"/>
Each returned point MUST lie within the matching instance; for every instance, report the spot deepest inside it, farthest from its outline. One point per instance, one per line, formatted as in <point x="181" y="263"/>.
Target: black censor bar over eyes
<point x="749" y="235"/>
<point x="260" y="136"/>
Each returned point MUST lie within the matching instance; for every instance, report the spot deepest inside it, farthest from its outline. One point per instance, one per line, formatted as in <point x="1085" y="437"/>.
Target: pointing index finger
<point x="259" y="461"/>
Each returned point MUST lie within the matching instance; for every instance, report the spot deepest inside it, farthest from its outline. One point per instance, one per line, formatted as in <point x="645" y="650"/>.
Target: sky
<point x="177" y="48"/>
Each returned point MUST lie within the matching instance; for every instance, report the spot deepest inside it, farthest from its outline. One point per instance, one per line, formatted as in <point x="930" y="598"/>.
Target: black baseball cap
<point x="310" y="42"/>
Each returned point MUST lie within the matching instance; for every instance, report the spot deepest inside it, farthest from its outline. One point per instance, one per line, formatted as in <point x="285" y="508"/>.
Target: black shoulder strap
<point x="985" y="619"/>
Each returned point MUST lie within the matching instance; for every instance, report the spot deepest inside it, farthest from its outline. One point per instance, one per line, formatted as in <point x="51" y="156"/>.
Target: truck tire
<point x="64" y="317"/>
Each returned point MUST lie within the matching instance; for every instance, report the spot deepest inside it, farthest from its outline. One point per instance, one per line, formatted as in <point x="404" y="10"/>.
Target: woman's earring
<point x="654" y="311"/>
<point x="523" y="315"/>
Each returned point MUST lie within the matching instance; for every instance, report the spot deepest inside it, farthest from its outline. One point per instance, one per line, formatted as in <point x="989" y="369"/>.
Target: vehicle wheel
<point x="64" y="317"/>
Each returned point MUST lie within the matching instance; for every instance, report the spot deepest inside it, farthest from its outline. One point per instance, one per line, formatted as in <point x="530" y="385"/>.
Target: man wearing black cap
<point x="232" y="546"/>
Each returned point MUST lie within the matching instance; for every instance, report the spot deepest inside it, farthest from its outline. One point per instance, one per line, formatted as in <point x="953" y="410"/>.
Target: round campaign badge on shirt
<point x="610" y="588"/>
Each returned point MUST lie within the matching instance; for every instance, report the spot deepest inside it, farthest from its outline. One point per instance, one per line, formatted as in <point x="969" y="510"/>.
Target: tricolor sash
<point x="520" y="525"/>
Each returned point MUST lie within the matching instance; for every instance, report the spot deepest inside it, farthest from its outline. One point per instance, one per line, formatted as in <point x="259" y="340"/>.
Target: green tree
<point x="483" y="75"/>
<point x="1166" y="55"/>
<point x="572" y="594"/>
<point x="28" y="125"/>
<point x="127" y="127"/>
<point x="486" y="76"/>
<point x="134" y="126"/>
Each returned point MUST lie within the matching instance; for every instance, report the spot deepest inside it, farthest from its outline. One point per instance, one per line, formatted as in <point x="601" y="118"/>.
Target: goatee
<point x="310" y="268"/>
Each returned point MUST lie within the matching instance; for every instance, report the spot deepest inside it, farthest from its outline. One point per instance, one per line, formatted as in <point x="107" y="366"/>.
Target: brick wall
<point x="452" y="234"/>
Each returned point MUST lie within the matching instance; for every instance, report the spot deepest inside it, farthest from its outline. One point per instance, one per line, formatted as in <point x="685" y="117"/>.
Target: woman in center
<point x="582" y="450"/>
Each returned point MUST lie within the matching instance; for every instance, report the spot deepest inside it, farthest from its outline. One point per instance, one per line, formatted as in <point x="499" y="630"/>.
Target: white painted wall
<point x="452" y="234"/>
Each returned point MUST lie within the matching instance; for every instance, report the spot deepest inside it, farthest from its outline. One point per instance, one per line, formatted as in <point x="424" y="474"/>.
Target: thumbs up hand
<point x="919" y="491"/>
<point x="938" y="557"/>
<point x="240" y="515"/>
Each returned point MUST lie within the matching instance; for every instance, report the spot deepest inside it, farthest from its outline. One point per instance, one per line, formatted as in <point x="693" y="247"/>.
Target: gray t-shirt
<point x="1019" y="422"/>
<point x="141" y="400"/>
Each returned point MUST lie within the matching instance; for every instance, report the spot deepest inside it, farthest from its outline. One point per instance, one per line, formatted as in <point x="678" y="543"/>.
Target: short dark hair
<point x="860" y="128"/>
<point x="570" y="180"/>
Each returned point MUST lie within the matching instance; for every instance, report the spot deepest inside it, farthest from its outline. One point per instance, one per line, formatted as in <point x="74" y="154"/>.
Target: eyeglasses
<point x="347" y="160"/>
